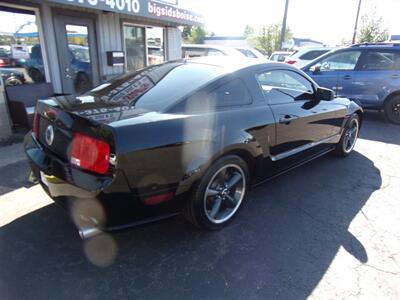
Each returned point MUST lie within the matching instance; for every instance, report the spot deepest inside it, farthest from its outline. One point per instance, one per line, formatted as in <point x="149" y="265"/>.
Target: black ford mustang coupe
<point x="185" y="136"/>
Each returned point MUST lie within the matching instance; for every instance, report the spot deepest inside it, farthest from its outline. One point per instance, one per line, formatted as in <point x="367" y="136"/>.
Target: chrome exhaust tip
<point x="88" y="232"/>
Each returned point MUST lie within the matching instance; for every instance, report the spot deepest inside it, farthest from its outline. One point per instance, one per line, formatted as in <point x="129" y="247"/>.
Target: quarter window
<point x="381" y="60"/>
<point x="284" y="86"/>
<point x="232" y="93"/>
<point x="341" y="61"/>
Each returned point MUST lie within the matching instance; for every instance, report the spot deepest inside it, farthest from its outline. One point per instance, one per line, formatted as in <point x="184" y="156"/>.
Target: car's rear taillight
<point x="290" y="62"/>
<point x="36" y="124"/>
<point x="1" y="61"/>
<point x="90" y="153"/>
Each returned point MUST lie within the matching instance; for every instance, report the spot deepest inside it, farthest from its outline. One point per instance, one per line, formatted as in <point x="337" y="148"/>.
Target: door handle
<point x="395" y="76"/>
<point x="347" y="77"/>
<point x="286" y="119"/>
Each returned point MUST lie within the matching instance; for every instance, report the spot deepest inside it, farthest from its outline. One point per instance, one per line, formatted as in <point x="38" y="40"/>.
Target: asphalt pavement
<point x="327" y="230"/>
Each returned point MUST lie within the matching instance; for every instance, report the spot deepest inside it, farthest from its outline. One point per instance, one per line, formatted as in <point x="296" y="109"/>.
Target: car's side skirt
<point x="303" y="148"/>
<point x="319" y="154"/>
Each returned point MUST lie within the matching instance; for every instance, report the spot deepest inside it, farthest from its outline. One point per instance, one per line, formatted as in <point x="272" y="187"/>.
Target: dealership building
<point x="74" y="45"/>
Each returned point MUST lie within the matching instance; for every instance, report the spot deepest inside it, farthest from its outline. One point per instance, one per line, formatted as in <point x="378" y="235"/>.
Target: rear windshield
<point x="157" y="87"/>
<point x="311" y="55"/>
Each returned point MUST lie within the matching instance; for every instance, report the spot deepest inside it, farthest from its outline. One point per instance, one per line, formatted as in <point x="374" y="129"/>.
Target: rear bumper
<point x="106" y="202"/>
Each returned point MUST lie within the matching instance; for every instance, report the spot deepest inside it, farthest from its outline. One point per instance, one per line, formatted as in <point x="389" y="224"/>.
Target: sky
<point x="327" y="21"/>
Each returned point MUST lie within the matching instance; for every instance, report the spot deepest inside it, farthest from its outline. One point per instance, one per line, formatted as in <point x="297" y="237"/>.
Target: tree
<point x="248" y="31"/>
<point x="268" y="39"/>
<point x="372" y="29"/>
<point x="193" y="34"/>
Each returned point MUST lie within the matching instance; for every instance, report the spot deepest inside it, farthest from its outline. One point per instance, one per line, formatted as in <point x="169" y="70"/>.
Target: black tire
<point x="343" y="148"/>
<point x="36" y="75"/>
<point x="392" y="109"/>
<point x="196" y="208"/>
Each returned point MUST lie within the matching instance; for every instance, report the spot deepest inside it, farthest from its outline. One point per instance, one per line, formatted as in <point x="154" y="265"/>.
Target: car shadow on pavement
<point x="12" y="175"/>
<point x="278" y="247"/>
<point x="381" y="131"/>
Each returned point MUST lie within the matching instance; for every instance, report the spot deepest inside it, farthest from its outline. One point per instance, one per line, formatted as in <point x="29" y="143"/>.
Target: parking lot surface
<point x="327" y="230"/>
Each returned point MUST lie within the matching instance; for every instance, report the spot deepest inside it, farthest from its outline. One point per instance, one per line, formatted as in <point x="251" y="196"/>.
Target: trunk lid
<point x="59" y="118"/>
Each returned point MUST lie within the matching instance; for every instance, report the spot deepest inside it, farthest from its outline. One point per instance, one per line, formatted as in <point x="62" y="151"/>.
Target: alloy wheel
<point x="350" y="135"/>
<point x="395" y="112"/>
<point x="224" y="193"/>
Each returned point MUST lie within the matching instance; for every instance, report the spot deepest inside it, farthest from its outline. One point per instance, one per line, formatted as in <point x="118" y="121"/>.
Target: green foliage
<point x="193" y="34"/>
<point x="372" y="29"/>
<point x="268" y="39"/>
<point x="248" y="31"/>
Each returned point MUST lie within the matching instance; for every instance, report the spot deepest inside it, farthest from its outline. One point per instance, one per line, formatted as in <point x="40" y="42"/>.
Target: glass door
<point x="135" y="47"/>
<point x="77" y="54"/>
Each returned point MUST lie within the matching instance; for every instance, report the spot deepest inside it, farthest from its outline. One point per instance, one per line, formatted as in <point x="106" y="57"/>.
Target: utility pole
<point x="356" y="24"/>
<point x="284" y="23"/>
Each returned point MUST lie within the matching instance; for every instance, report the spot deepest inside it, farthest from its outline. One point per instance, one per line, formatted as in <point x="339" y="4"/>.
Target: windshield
<point x="157" y="87"/>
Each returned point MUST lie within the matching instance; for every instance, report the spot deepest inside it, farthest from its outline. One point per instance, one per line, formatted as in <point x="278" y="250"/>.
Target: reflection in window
<point x="155" y="45"/>
<point x="134" y="47"/>
<point x="80" y="68"/>
<point x="21" y="58"/>
<point x="341" y="61"/>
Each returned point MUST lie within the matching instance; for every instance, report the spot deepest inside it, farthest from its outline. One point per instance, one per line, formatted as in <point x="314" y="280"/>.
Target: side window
<point x="341" y="61"/>
<point x="381" y="60"/>
<point x="232" y="93"/>
<point x="284" y="86"/>
<point x="214" y="52"/>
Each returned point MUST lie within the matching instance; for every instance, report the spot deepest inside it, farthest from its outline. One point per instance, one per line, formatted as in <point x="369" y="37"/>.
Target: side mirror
<point x="315" y="68"/>
<point x="324" y="94"/>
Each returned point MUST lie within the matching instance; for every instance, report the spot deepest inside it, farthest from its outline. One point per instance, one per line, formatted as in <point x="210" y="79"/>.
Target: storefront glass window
<point x="79" y="67"/>
<point x="135" y="52"/>
<point x="21" y="59"/>
<point x="155" y="45"/>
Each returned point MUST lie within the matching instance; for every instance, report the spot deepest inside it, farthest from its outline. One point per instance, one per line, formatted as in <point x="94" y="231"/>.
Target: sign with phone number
<point x="144" y="8"/>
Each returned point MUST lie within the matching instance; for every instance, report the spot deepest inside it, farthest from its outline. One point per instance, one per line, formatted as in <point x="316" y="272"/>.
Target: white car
<point x="302" y="56"/>
<point x="251" y="52"/>
<point x="194" y="50"/>
<point x="279" y="55"/>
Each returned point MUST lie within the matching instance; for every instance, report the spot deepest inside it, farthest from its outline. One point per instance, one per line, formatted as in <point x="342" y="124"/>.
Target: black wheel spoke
<point x="230" y="201"/>
<point x="236" y="177"/>
<point x="224" y="193"/>
<point x="215" y="208"/>
<point x="212" y="192"/>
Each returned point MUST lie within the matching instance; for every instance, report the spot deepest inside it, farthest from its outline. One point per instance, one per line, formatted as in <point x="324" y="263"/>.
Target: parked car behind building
<point x="303" y="56"/>
<point x="369" y="74"/>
